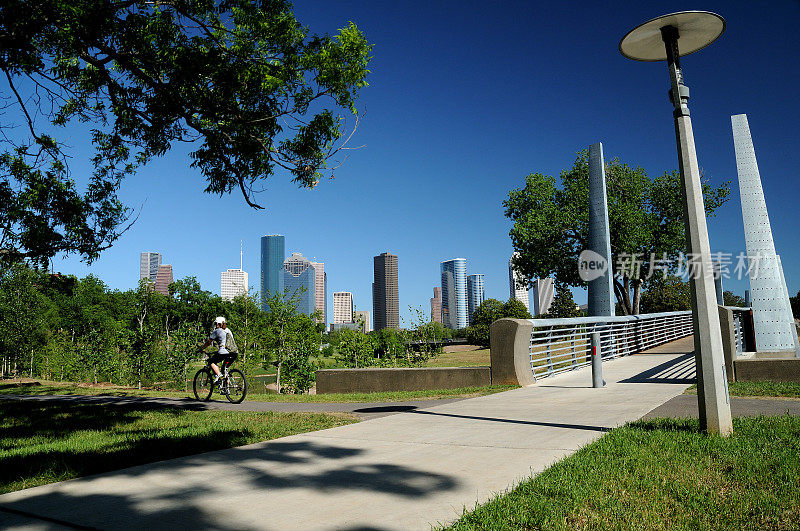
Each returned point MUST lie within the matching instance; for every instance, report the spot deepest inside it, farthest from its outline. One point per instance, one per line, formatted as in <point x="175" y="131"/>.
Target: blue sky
<point x="466" y="99"/>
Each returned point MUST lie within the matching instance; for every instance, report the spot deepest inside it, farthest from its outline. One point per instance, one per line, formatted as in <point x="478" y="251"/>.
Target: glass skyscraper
<point x="299" y="278"/>
<point x="454" y="293"/>
<point x="475" y="293"/>
<point x="273" y="252"/>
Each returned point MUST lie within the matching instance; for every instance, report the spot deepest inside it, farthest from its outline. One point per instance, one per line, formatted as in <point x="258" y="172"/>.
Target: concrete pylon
<point x="601" y="289"/>
<point x="772" y="312"/>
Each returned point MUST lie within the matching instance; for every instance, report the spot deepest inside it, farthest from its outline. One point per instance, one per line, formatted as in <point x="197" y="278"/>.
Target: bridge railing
<point x="524" y="351"/>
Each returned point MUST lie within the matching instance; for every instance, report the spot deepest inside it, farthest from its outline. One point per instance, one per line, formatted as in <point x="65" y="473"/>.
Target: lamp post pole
<point x="712" y="389"/>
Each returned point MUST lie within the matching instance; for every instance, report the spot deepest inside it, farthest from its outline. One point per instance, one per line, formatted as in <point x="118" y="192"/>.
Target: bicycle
<point x="232" y="383"/>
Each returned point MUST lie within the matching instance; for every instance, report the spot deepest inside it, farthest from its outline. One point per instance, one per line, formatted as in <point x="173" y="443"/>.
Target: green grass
<point x="55" y="388"/>
<point x="662" y="474"/>
<point x="44" y="443"/>
<point x="760" y="389"/>
<point x="467" y="358"/>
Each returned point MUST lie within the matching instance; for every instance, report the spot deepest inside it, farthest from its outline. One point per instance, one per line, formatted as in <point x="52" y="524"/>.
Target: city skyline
<point x="410" y="167"/>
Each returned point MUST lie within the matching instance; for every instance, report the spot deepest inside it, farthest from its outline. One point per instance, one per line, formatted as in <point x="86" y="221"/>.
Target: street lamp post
<point x="668" y="38"/>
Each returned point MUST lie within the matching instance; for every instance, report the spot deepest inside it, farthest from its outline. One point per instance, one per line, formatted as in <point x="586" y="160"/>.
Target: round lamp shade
<point x="696" y="30"/>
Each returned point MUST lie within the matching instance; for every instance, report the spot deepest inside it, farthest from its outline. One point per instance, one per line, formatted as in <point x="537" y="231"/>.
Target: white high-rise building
<point x="543" y="294"/>
<point x="362" y="317"/>
<point x="517" y="284"/>
<point x="233" y="282"/>
<point x="148" y="265"/>
<point x="320" y="290"/>
<point x="342" y="307"/>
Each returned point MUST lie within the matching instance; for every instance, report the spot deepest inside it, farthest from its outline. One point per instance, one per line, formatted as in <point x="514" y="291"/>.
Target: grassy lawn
<point x="469" y="358"/>
<point x="662" y="474"/>
<point x="760" y="389"/>
<point x="44" y="443"/>
<point x="57" y="388"/>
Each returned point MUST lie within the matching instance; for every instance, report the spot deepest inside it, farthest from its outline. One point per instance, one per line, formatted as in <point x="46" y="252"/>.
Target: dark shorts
<point x="226" y="358"/>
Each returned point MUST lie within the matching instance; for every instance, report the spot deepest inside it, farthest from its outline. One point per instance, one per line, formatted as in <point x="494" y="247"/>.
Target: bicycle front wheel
<point x="203" y="384"/>
<point x="237" y="386"/>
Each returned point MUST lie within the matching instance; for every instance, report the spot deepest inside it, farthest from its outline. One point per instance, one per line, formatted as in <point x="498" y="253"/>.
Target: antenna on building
<point x="241" y="255"/>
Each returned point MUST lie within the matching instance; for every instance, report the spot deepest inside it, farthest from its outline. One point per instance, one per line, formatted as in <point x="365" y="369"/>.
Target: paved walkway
<point x="404" y="471"/>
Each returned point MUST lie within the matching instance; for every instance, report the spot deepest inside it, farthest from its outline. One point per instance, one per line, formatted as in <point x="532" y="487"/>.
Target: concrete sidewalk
<point x="404" y="471"/>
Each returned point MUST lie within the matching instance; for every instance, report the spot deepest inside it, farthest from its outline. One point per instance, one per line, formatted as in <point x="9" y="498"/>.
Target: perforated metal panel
<point x="601" y="289"/>
<point x="772" y="314"/>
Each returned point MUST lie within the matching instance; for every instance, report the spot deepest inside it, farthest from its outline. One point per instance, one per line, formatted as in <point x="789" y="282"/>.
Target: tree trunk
<point x="31" y="371"/>
<point x="278" y="378"/>
<point x="637" y="295"/>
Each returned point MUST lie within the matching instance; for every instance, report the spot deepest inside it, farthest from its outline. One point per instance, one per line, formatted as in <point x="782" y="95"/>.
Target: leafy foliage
<point x="563" y="304"/>
<point x="243" y="81"/>
<point x="490" y="311"/>
<point x="551" y="224"/>
<point x="731" y="299"/>
<point x="666" y="294"/>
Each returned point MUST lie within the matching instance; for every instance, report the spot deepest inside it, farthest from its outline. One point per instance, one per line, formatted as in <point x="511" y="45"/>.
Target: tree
<point x="551" y="224"/>
<point x="731" y="299"/>
<point x="795" y="302"/>
<point x="243" y="81"/>
<point x="354" y="348"/>
<point x="563" y="304"/>
<point x="666" y="294"/>
<point x="490" y="311"/>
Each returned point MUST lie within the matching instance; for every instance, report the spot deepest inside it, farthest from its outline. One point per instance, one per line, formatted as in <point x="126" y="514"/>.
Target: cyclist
<point x="220" y="335"/>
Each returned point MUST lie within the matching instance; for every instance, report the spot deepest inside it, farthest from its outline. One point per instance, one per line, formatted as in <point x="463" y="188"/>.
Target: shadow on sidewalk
<point x="173" y="494"/>
<point x="680" y="370"/>
<point x="513" y="421"/>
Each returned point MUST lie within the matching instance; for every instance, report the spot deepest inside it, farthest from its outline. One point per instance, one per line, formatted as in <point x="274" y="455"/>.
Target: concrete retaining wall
<point x="404" y="379"/>
<point x="778" y="370"/>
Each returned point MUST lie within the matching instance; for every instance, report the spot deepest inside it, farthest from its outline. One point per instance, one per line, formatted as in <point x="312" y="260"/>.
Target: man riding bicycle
<point x="227" y="352"/>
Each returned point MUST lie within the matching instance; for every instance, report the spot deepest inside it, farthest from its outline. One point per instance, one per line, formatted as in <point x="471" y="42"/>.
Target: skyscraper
<point x="273" y="252"/>
<point x="321" y="293"/>
<point x="299" y="278"/>
<point x="148" y="265"/>
<point x="385" y="300"/>
<point x="436" y="305"/>
<point x="233" y="282"/>
<point x="342" y="307"/>
<point x="517" y="284"/>
<point x="163" y="279"/>
<point x="360" y="316"/>
<point x="475" y="293"/>
<point x="454" y="293"/>
<point x="543" y="294"/>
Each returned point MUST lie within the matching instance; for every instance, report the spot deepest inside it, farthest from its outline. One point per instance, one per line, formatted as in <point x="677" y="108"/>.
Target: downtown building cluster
<point x="151" y="268"/>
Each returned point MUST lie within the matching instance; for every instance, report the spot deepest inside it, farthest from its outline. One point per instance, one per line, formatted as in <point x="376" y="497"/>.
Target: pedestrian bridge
<point x="524" y="351"/>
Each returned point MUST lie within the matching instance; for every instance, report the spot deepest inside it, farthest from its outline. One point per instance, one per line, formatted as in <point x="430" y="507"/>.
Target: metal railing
<point x="740" y="322"/>
<point x="560" y="345"/>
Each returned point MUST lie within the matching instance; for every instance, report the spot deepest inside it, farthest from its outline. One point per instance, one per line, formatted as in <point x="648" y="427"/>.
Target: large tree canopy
<point x="244" y="81"/>
<point x="551" y="224"/>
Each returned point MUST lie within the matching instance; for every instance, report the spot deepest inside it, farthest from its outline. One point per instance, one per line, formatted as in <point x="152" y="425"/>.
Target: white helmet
<point x="219" y="320"/>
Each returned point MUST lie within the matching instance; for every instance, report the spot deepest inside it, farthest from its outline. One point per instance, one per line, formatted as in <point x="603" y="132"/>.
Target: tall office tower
<point x="148" y="265"/>
<point x="299" y="278"/>
<point x="163" y="279"/>
<point x="385" y="300"/>
<point x="772" y="314"/>
<point x="475" y="293"/>
<point x="362" y="317"/>
<point x="273" y="252"/>
<point x="233" y="282"/>
<point x="436" y="305"/>
<point x="543" y="294"/>
<point x="321" y="294"/>
<point x="517" y="285"/>
<point x="454" y="293"/>
<point x="342" y="307"/>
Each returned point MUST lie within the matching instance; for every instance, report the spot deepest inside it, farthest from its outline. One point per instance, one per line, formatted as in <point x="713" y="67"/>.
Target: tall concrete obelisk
<point x="600" y="289"/>
<point x="772" y="313"/>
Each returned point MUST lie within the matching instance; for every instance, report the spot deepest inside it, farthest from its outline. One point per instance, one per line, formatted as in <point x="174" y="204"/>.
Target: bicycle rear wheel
<point x="237" y="386"/>
<point x="203" y="384"/>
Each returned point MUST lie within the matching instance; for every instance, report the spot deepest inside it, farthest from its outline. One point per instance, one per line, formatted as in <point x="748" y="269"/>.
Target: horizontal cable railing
<point x="559" y="345"/>
<point x="739" y="316"/>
